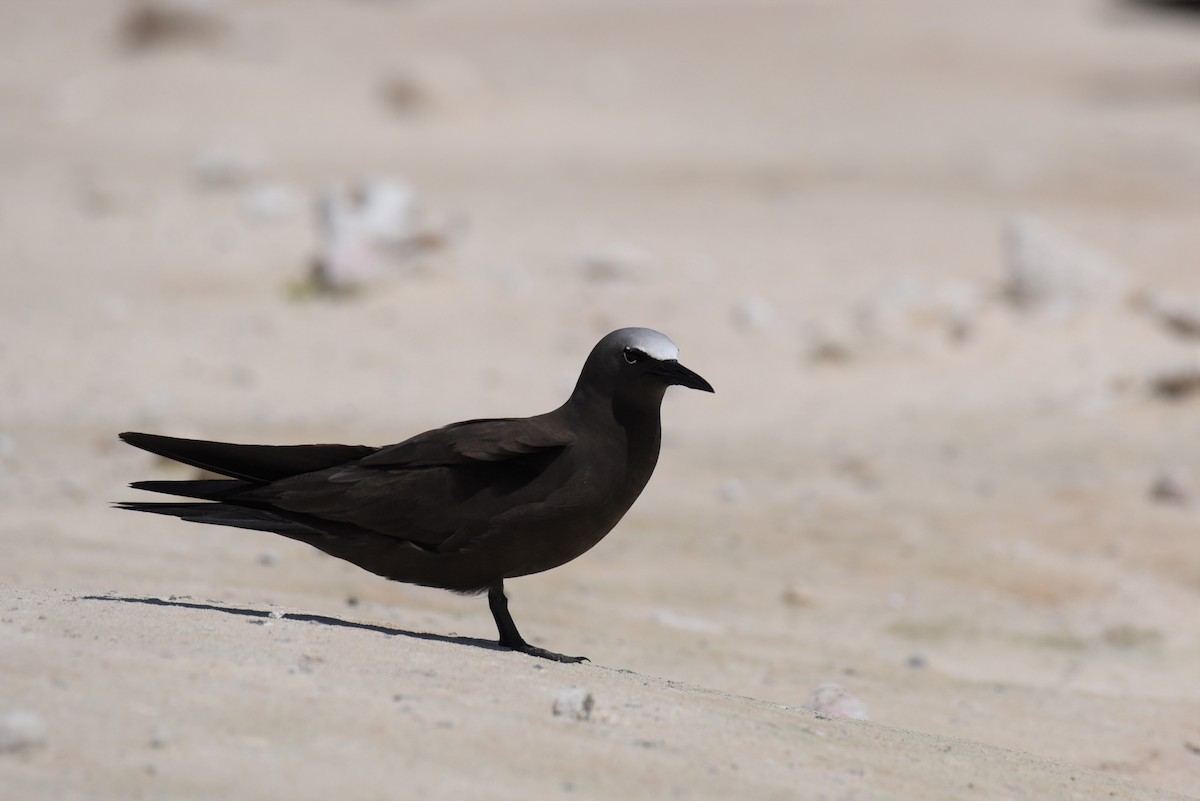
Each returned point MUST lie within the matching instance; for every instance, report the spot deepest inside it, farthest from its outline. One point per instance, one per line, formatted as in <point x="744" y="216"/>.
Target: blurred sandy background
<point x="941" y="261"/>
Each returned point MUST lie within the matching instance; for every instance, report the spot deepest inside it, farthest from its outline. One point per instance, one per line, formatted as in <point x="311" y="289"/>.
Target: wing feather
<point x="440" y="489"/>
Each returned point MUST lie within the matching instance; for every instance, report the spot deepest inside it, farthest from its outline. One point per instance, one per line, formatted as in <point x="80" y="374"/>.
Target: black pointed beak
<point x="675" y="373"/>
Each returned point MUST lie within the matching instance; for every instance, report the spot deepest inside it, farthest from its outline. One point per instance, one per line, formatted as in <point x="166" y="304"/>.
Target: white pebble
<point x="834" y="700"/>
<point x="21" y="731"/>
<point x="575" y="703"/>
<point x="371" y="230"/>
<point x="1051" y="273"/>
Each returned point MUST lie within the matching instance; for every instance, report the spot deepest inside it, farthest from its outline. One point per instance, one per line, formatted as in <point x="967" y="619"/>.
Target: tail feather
<point x="255" y="463"/>
<point x="222" y="514"/>
<point x="208" y="490"/>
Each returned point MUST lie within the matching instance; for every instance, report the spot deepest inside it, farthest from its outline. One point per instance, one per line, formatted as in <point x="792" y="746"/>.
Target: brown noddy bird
<point x="462" y="507"/>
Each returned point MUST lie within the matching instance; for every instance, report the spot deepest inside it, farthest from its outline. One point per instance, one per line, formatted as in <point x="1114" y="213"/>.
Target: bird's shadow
<point x="303" y="617"/>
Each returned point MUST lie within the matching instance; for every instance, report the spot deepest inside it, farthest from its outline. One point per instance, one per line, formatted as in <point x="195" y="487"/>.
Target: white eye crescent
<point x="632" y="355"/>
<point x="648" y="342"/>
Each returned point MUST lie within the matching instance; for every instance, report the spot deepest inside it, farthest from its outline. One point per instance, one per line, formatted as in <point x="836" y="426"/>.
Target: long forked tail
<point x="248" y="467"/>
<point x="222" y="514"/>
<point x="257" y="464"/>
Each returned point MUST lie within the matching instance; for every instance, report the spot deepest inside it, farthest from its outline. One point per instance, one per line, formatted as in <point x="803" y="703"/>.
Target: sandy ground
<point x="903" y="485"/>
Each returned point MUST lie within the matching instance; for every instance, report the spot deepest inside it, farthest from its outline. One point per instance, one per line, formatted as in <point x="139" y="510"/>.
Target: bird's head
<point x="637" y="362"/>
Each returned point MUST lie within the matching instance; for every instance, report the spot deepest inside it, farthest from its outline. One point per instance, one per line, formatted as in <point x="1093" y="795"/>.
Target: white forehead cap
<point x="653" y="344"/>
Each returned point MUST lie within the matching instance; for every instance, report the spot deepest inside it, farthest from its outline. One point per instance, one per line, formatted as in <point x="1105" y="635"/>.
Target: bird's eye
<point x="632" y="355"/>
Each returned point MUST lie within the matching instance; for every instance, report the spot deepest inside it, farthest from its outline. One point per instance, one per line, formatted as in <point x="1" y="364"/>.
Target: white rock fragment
<point x="575" y="703"/>
<point x="616" y="262"/>
<point x="21" y="731"/>
<point x="1051" y="273"/>
<point x="834" y="700"/>
<point x="370" y="231"/>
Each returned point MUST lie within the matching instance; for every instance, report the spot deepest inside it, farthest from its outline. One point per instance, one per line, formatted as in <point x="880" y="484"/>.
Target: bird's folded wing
<point x="494" y="440"/>
<point x="437" y="489"/>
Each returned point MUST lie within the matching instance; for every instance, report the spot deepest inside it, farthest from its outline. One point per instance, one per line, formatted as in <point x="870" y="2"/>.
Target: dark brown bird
<point x="462" y="507"/>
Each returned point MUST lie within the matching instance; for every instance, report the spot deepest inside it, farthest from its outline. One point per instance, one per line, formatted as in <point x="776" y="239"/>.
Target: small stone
<point x="402" y="94"/>
<point x="798" y="597"/>
<point x="1176" y="384"/>
<point x="575" y="703"/>
<point x="732" y="490"/>
<point x="1051" y="273"/>
<point x="370" y="231"/>
<point x="1173" y="485"/>
<point x="21" y="731"/>
<point x="917" y="661"/>
<point x="275" y="614"/>
<point x="159" y="23"/>
<point x="831" y="342"/>
<point x="834" y="700"/>
<point x="160" y="737"/>
<point x="859" y="470"/>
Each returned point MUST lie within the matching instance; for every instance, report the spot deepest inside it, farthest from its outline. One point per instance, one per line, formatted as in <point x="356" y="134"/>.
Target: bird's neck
<point x="634" y="415"/>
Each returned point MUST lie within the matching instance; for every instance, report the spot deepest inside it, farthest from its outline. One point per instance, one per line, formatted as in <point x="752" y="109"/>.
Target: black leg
<point x="510" y="637"/>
